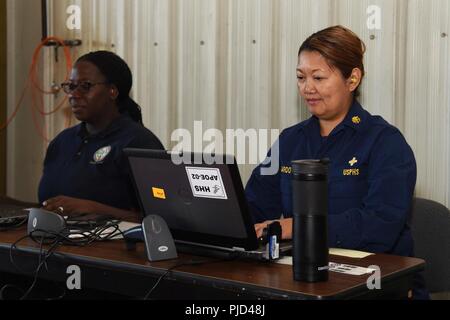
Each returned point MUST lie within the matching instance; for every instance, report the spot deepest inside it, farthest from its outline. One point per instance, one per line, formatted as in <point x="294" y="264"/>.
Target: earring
<point x="353" y="80"/>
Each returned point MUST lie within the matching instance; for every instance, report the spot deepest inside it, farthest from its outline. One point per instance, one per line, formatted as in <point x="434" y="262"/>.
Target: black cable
<point x="11" y="259"/>
<point x="43" y="258"/>
<point x="38" y="269"/>
<point x="191" y="263"/>
<point x="41" y="262"/>
<point x="159" y="280"/>
<point x="85" y="236"/>
<point x="60" y="297"/>
<point x="55" y="239"/>
<point x="9" y="286"/>
<point x="75" y="235"/>
<point x="36" y="272"/>
<point x="86" y="232"/>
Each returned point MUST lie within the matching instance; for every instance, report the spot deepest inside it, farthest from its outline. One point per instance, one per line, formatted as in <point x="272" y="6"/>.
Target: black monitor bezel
<point x="248" y="243"/>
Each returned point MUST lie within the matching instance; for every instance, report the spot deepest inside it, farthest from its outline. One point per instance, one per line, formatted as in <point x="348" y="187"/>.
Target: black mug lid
<point x="310" y="167"/>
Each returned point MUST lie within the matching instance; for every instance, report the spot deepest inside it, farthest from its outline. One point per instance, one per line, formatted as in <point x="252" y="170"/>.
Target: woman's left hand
<point x="67" y="205"/>
<point x="286" y="228"/>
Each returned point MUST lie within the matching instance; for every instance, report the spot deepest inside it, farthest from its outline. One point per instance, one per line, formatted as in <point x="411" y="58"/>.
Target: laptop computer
<point x="204" y="205"/>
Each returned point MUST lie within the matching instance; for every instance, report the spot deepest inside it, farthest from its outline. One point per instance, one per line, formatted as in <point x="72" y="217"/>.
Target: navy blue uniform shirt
<point x="372" y="176"/>
<point x="94" y="167"/>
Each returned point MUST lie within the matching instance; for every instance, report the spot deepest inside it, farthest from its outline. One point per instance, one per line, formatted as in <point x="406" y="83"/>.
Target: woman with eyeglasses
<point x="85" y="169"/>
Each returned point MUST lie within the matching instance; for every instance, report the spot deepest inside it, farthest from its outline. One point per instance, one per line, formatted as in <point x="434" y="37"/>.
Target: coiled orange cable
<point x="36" y="90"/>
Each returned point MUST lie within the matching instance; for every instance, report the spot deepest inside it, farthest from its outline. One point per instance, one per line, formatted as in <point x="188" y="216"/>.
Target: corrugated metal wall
<point x="427" y="84"/>
<point x="231" y="64"/>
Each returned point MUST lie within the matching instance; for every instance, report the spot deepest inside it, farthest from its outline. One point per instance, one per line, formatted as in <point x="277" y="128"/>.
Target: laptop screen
<point x="201" y="203"/>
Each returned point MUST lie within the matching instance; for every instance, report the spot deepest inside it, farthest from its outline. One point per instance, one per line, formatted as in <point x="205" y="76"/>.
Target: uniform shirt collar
<point x="113" y="127"/>
<point x="355" y="119"/>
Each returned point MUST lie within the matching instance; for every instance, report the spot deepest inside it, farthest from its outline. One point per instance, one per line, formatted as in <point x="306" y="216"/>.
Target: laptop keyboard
<point x="11" y="211"/>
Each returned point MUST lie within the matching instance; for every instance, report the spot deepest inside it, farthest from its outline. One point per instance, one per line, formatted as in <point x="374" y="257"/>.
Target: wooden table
<point x="110" y="267"/>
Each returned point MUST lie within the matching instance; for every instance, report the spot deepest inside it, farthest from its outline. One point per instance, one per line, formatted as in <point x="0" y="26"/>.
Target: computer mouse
<point x="43" y="223"/>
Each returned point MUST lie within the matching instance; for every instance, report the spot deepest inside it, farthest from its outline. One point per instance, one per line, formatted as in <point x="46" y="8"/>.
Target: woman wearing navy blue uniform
<point x="85" y="169"/>
<point x="372" y="173"/>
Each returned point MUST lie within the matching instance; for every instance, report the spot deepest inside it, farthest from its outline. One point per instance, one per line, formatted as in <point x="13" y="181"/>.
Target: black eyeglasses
<point x="84" y="87"/>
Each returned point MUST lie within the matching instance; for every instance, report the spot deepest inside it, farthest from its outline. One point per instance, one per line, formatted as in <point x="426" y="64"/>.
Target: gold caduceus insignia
<point x="353" y="162"/>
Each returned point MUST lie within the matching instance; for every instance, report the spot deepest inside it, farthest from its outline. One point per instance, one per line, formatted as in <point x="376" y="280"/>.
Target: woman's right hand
<point x="259" y="227"/>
